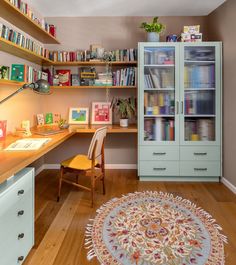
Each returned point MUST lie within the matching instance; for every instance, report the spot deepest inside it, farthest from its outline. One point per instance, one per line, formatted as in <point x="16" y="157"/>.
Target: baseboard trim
<point x="107" y="166"/>
<point x="228" y="185"/>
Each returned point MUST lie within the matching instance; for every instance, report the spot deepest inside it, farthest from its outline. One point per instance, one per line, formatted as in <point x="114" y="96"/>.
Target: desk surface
<point x="13" y="161"/>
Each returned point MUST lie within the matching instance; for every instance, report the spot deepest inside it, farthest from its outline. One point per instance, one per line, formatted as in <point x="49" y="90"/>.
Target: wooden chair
<point x="92" y="164"/>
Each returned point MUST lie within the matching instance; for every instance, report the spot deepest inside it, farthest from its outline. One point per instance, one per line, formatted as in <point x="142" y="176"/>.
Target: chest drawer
<point x="16" y="217"/>
<point x="200" y="153"/>
<point x="200" y="168"/>
<point x="158" y="153"/>
<point x="156" y="168"/>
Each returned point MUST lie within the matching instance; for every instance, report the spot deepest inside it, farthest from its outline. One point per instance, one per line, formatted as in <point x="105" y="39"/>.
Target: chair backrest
<point x="97" y="140"/>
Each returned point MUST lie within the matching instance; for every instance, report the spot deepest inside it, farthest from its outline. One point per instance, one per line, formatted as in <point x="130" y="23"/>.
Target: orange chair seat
<point x="79" y="162"/>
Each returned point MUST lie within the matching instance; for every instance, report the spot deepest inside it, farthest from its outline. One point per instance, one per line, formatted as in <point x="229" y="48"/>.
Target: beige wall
<point x="79" y="33"/>
<point x="222" y="27"/>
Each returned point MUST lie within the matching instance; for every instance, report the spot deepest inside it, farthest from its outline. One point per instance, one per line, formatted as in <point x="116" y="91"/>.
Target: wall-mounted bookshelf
<point x="23" y="22"/>
<point x="92" y="63"/>
<point x="12" y="48"/>
<point x="4" y="82"/>
<point x="88" y="87"/>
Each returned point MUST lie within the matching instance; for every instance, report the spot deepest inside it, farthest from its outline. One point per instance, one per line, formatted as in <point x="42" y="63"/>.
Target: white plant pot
<point x="153" y="37"/>
<point x="124" y="122"/>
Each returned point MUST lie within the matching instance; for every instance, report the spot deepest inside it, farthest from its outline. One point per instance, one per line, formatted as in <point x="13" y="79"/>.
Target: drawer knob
<point x="159" y="153"/>
<point x="21" y="235"/>
<point x="159" y="168"/>
<point x="20" y="192"/>
<point x="200" y="169"/>
<point x="21" y="258"/>
<point x="20" y="212"/>
<point x="200" y="154"/>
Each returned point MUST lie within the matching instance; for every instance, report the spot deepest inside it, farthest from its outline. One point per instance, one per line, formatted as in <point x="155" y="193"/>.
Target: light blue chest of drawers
<point x="17" y="217"/>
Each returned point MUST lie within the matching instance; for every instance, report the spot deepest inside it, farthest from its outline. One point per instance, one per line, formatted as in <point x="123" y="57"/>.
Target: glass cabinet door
<point x="199" y="94"/>
<point x="158" y="94"/>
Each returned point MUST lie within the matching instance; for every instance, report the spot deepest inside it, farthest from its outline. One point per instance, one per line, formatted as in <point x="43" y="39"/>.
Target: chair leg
<point x="103" y="184"/>
<point x="92" y="191"/>
<point x="60" y="182"/>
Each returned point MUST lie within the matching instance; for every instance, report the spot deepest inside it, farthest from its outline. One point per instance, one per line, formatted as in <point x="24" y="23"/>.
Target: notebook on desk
<point x="48" y="131"/>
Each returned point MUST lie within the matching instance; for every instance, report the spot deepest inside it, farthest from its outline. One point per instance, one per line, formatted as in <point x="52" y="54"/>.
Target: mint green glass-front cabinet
<point x="179" y="119"/>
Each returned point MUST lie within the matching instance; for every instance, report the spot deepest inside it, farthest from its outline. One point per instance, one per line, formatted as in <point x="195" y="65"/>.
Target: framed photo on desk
<point x="78" y="115"/>
<point x="101" y="113"/>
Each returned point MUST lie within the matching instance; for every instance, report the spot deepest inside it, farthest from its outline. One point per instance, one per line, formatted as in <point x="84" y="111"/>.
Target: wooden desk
<point x="13" y="161"/>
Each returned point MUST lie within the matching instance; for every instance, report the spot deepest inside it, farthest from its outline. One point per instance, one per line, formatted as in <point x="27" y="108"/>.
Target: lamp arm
<point x="14" y="93"/>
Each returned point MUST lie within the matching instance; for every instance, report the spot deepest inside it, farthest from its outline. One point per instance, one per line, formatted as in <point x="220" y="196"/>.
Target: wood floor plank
<point x="51" y="243"/>
<point x="60" y="236"/>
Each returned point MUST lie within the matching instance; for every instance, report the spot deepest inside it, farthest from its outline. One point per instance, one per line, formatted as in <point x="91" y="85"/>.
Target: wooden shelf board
<point x="12" y="48"/>
<point x="23" y="22"/>
<point x="4" y="82"/>
<point x="87" y="87"/>
<point x="114" y="128"/>
<point x="102" y="63"/>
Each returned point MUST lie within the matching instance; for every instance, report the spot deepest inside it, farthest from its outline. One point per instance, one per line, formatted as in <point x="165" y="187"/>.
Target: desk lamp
<point x="40" y="86"/>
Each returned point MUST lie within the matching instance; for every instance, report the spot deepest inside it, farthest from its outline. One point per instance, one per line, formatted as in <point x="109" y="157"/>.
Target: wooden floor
<point x="59" y="227"/>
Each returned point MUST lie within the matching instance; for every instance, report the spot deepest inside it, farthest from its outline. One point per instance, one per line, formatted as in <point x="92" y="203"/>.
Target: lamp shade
<point x="40" y="86"/>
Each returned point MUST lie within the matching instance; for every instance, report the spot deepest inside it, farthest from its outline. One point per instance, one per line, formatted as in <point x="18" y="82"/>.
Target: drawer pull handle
<point x="159" y="168"/>
<point x="159" y="154"/>
<point x="20" y="212"/>
<point x="21" y="258"/>
<point x="200" y="154"/>
<point x="21" y="235"/>
<point x="200" y="169"/>
<point x="20" y="192"/>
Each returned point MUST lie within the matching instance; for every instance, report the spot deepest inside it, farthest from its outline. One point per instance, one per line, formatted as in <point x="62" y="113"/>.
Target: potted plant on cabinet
<point x="153" y="29"/>
<point x="126" y="108"/>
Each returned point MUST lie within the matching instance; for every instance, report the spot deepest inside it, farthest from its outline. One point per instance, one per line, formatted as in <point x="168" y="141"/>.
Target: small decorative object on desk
<point x="56" y="118"/>
<point x="40" y="119"/>
<point x="101" y="113"/>
<point x="78" y="115"/>
<point x="172" y="38"/>
<point x="25" y="125"/>
<point x="4" y="72"/>
<point x="62" y="124"/>
<point x="153" y="29"/>
<point x="191" y="34"/>
<point x="49" y="118"/>
<point x="126" y="108"/>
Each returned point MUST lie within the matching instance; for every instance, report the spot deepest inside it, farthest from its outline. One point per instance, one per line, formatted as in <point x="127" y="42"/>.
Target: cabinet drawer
<point x="158" y="153"/>
<point x="210" y="168"/>
<point x="199" y="153"/>
<point x="155" y="168"/>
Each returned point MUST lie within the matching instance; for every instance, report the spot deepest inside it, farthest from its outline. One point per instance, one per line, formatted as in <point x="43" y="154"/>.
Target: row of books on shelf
<point x="159" y="78"/>
<point x="159" y="129"/>
<point x="200" y="102"/>
<point x="124" y="55"/>
<point x="199" y="130"/>
<point x="159" y="56"/>
<point x="199" y="76"/>
<point x="21" y="40"/>
<point x="124" y="77"/>
<point x="159" y="103"/>
<point x="27" y="10"/>
<point x="87" y="76"/>
<point x="22" y="73"/>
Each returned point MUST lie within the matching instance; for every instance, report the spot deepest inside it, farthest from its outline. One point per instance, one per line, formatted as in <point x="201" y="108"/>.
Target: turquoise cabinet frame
<point x="191" y="166"/>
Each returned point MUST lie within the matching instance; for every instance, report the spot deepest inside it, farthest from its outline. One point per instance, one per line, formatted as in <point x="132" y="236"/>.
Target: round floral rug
<point x="145" y="228"/>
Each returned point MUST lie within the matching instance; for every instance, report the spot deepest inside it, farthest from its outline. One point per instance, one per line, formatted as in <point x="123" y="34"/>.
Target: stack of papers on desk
<point x="27" y="144"/>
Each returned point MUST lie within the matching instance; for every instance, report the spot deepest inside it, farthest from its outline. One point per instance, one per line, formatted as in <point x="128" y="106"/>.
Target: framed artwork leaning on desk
<point x="78" y="115"/>
<point x="101" y="113"/>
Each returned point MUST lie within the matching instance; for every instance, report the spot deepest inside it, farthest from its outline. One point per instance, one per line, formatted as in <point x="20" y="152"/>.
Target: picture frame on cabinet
<point x="101" y="113"/>
<point x="78" y="115"/>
